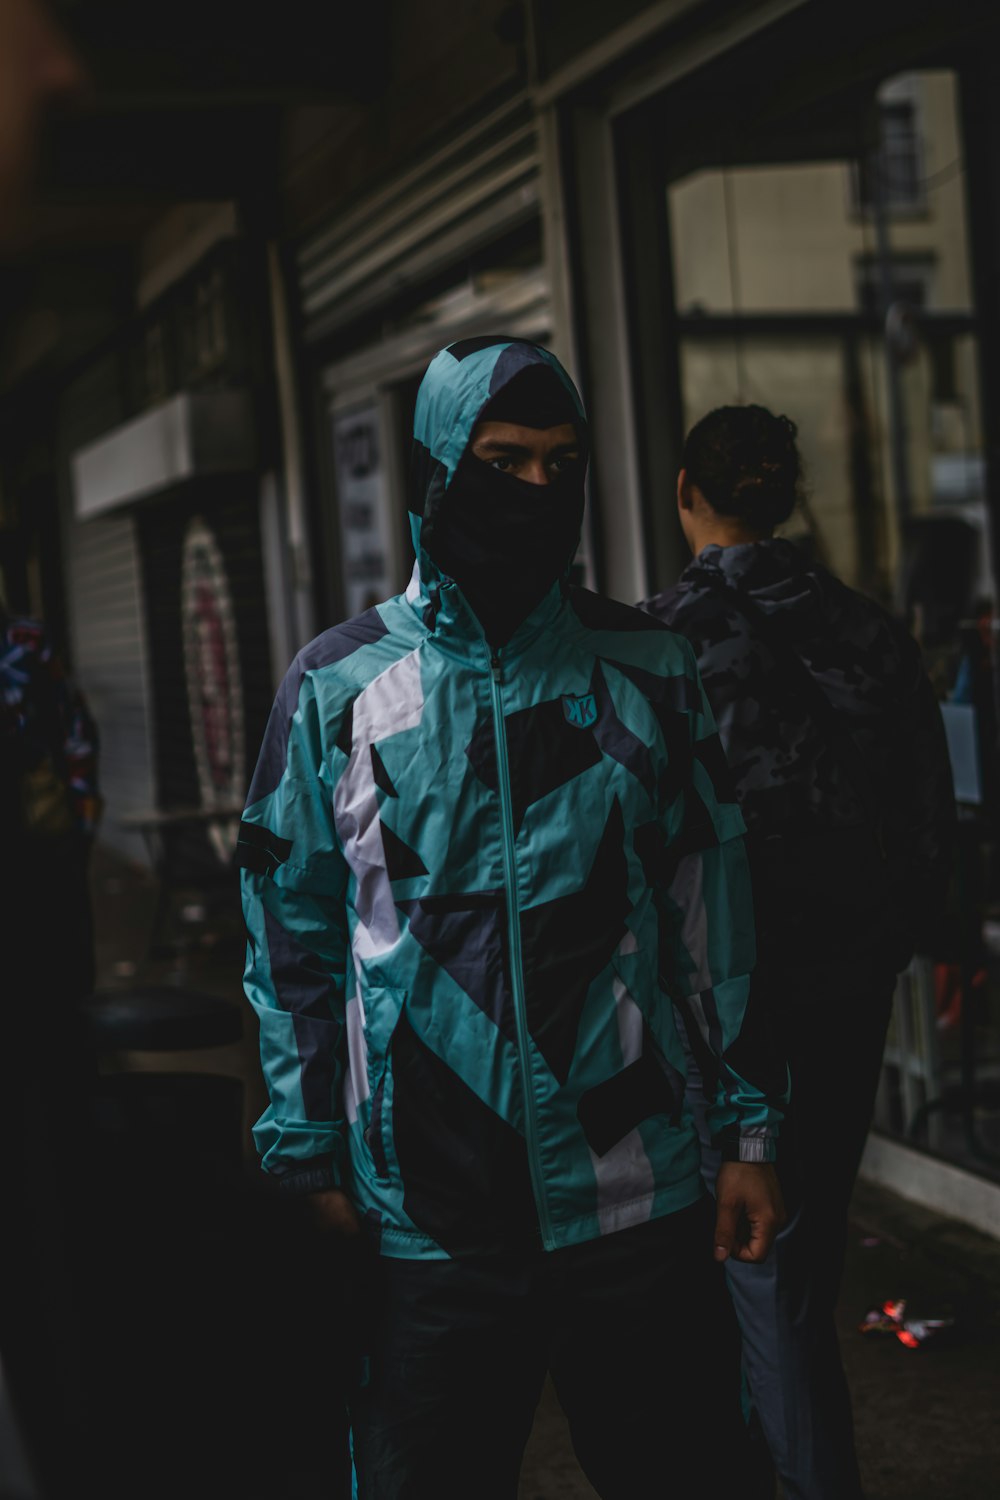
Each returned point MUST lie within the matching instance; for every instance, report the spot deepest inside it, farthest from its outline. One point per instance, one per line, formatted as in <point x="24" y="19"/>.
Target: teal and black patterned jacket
<point x="474" y="886"/>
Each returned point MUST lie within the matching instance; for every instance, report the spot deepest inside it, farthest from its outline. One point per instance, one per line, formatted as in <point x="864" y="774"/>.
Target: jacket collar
<point x="444" y="611"/>
<point x="748" y="565"/>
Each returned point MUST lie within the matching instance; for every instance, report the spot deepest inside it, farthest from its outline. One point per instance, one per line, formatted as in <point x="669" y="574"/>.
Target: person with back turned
<point x="489" y="848"/>
<point x="836" y="745"/>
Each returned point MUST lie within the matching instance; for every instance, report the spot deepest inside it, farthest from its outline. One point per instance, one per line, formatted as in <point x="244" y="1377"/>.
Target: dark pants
<point x="635" y="1329"/>
<point x="833" y="1021"/>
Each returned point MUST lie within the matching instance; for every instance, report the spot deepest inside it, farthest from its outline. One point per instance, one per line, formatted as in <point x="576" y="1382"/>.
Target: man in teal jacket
<point x="489" y="851"/>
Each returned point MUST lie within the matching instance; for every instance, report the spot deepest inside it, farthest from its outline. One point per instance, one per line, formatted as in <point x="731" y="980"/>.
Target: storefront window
<point x="821" y="267"/>
<point x="839" y="291"/>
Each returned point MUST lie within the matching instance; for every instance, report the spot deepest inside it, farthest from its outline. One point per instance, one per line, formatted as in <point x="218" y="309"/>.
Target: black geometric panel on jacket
<point x="615" y="739"/>
<point x="672" y="700"/>
<point x="464" y="347"/>
<point x="544" y="751"/>
<point x="433" y="482"/>
<point x="380" y="775"/>
<point x="547" y="751"/>
<point x="401" y="862"/>
<point x="568" y="942"/>
<point x="647" y="1087"/>
<point x="759" y="1051"/>
<point x="303" y="988"/>
<point x="465" y="1174"/>
<point x="482" y="751"/>
<point x="595" y="612"/>
<point x="659" y="859"/>
<point x="334" y="645"/>
<point x="345" y="734"/>
<point x="260" y="849"/>
<point x="515" y="358"/>
<point x="423" y="466"/>
<point x="466" y="936"/>
<point x="705" y="1060"/>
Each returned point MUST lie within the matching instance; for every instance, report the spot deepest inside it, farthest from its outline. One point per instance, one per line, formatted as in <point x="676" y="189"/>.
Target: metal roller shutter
<point x="466" y="195"/>
<point x="106" y="619"/>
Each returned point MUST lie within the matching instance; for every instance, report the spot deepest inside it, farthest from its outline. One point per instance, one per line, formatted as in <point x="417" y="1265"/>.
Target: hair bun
<point x="745" y="462"/>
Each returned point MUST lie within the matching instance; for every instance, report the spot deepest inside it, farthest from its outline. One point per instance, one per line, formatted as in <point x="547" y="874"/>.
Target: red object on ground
<point x="948" y="993"/>
<point x="891" y="1318"/>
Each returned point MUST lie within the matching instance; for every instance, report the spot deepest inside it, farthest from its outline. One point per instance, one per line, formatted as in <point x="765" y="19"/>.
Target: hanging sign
<point x="362" y="504"/>
<point x="214" y="684"/>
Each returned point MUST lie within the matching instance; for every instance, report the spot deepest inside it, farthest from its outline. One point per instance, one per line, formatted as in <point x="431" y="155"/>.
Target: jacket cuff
<point x="310" y="1176"/>
<point x="753" y="1146"/>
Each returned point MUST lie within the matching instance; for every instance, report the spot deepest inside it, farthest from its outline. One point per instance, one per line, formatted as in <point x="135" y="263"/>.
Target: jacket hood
<point x="813" y="609"/>
<point x="779" y="578"/>
<point x="459" y="382"/>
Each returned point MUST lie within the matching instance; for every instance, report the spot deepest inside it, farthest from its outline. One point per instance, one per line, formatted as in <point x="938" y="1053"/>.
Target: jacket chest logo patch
<point x="580" y="711"/>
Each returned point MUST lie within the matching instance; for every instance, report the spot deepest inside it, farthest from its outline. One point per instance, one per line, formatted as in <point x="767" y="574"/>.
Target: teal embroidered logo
<point x="581" y="712"/>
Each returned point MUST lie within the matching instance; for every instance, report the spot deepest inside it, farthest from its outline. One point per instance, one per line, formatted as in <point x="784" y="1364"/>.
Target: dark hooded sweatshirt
<point x="822" y="884"/>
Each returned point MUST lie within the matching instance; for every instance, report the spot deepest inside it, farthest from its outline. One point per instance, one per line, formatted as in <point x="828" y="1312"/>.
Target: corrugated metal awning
<point x="467" y="194"/>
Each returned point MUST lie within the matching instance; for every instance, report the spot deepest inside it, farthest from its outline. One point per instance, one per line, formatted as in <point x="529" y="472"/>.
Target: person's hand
<point x="335" y="1212"/>
<point x="749" y="1210"/>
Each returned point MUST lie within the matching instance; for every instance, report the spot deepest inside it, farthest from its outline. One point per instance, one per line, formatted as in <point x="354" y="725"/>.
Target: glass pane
<point x="824" y="272"/>
<point x="804" y="380"/>
<point x="814" y="287"/>
<point x="362" y="505"/>
<point x="752" y="239"/>
<point x="805" y="236"/>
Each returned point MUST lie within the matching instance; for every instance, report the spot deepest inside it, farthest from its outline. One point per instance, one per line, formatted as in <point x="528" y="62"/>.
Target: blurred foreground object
<point x="38" y="67"/>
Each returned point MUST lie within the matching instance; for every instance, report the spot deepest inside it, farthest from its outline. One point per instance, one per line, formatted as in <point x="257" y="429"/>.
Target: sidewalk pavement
<point x="926" y="1417"/>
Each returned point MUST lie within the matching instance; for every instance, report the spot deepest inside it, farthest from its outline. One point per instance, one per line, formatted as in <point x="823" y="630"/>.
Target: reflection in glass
<point x="824" y="272"/>
<point x="839" y="291"/>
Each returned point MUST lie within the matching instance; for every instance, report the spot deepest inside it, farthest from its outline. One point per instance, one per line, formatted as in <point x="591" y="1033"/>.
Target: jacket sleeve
<point x="293" y="882"/>
<point x="708" y="945"/>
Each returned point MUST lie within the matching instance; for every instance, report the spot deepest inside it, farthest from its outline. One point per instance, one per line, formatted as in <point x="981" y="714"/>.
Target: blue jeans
<point x="832" y="1022"/>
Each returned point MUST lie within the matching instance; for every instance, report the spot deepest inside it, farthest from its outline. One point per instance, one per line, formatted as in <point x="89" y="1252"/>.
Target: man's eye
<point x="565" y="462"/>
<point x="502" y="463"/>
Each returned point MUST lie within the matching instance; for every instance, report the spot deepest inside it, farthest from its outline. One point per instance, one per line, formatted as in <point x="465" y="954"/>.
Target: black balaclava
<point x="505" y="541"/>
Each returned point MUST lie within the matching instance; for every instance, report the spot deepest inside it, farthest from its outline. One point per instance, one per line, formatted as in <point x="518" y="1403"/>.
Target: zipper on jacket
<point x="514" y="943"/>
